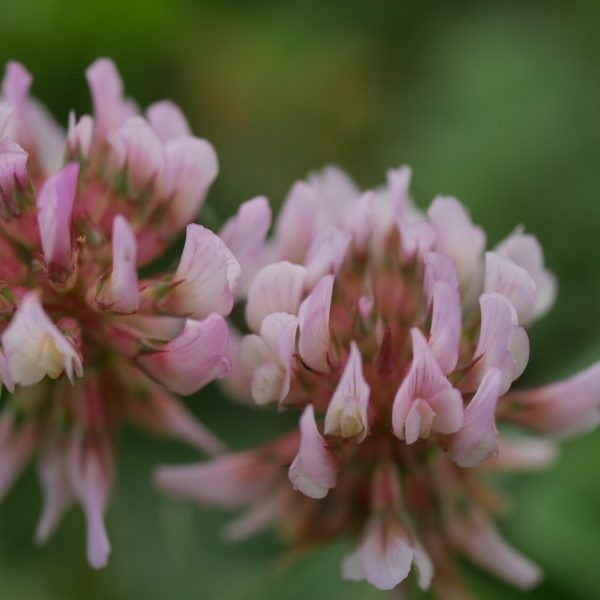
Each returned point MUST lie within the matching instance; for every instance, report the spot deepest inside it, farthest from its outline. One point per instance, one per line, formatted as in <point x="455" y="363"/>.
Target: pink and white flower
<point x="398" y="338"/>
<point x="85" y="342"/>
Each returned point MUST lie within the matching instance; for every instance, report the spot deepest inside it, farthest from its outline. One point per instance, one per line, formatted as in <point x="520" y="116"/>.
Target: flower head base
<point x="86" y="341"/>
<point x="399" y="339"/>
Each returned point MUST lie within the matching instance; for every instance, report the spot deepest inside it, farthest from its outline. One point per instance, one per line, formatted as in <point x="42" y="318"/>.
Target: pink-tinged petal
<point x="269" y="357"/>
<point x="326" y="254"/>
<point x="124" y="286"/>
<point x="336" y="191"/>
<point x="438" y="268"/>
<point x="168" y="121"/>
<point x="162" y="414"/>
<point x="13" y="169"/>
<point x="17" y="443"/>
<point x="502" y="343"/>
<point x="190" y="167"/>
<point x="6" y="112"/>
<point x="89" y="470"/>
<point x="313" y="471"/>
<point x="206" y="277"/>
<point x="34" y="347"/>
<point x="313" y="318"/>
<point x="231" y="481"/>
<point x="426" y="382"/>
<point x="80" y="135"/>
<point x="359" y="222"/>
<point x="191" y="360"/>
<point x="464" y="242"/>
<point x="525" y="250"/>
<point x="478" y="438"/>
<point x="244" y="234"/>
<point x="278" y="331"/>
<point x="15" y="90"/>
<point x="49" y="141"/>
<point x="136" y="149"/>
<point x="276" y="288"/>
<point x="56" y="488"/>
<point x="390" y="203"/>
<point x="385" y="557"/>
<point x="347" y="413"/>
<point x="475" y="536"/>
<point x="446" y="325"/>
<point x="297" y="222"/>
<point x="418" y="238"/>
<point x="522" y="455"/>
<point x="504" y="276"/>
<point x="106" y="87"/>
<point x="55" y="206"/>
<point x="564" y="408"/>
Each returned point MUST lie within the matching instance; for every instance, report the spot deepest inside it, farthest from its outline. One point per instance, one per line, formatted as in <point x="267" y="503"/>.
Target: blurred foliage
<point x="496" y="103"/>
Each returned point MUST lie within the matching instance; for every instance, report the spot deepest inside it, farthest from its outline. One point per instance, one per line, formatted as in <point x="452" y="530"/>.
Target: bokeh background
<point x="496" y="103"/>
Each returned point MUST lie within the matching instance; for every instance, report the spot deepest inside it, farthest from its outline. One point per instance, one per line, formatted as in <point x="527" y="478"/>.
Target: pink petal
<point x="438" y="268"/>
<point x="6" y="112"/>
<point x="313" y="318"/>
<point x="297" y="221"/>
<point x="426" y="381"/>
<point x="347" y="413"/>
<point x="564" y="408"/>
<point x="15" y="90"/>
<point x="525" y="251"/>
<point x="167" y="120"/>
<point x="34" y="347"/>
<point x="245" y="234"/>
<point x="58" y="495"/>
<point x="55" y="205"/>
<point x="209" y="274"/>
<point x="137" y="149"/>
<point x="522" y="455"/>
<point x="80" y="135"/>
<point x="326" y="254"/>
<point x="446" y="325"/>
<point x="231" y="481"/>
<point x="313" y="471"/>
<point x="504" y="276"/>
<point x="13" y="168"/>
<point x="385" y="557"/>
<point x="191" y="360"/>
<point x="459" y="238"/>
<point x="276" y="288"/>
<point x="475" y="536"/>
<point x="106" y="86"/>
<point x="49" y="141"/>
<point x="502" y="343"/>
<point x="336" y="191"/>
<point x="190" y="167"/>
<point x="360" y="221"/>
<point x="124" y="286"/>
<point x="89" y="470"/>
<point x="418" y="238"/>
<point x="478" y="438"/>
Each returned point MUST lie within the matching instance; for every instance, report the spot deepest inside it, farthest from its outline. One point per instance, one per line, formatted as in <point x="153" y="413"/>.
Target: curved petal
<point x="124" y="286"/>
<point x="167" y="120"/>
<point x="313" y="471"/>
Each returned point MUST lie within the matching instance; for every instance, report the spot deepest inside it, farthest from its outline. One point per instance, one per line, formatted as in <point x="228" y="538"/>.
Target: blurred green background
<point x="496" y="103"/>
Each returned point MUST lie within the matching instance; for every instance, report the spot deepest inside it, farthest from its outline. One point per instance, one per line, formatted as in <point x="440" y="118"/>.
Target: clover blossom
<point x="397" y="337"/>
<point x="87" y="340"/>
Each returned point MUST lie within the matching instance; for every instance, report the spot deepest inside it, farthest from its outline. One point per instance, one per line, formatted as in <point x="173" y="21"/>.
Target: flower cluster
<point x="398" y="337"/>
<point x="87" y="341"/>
